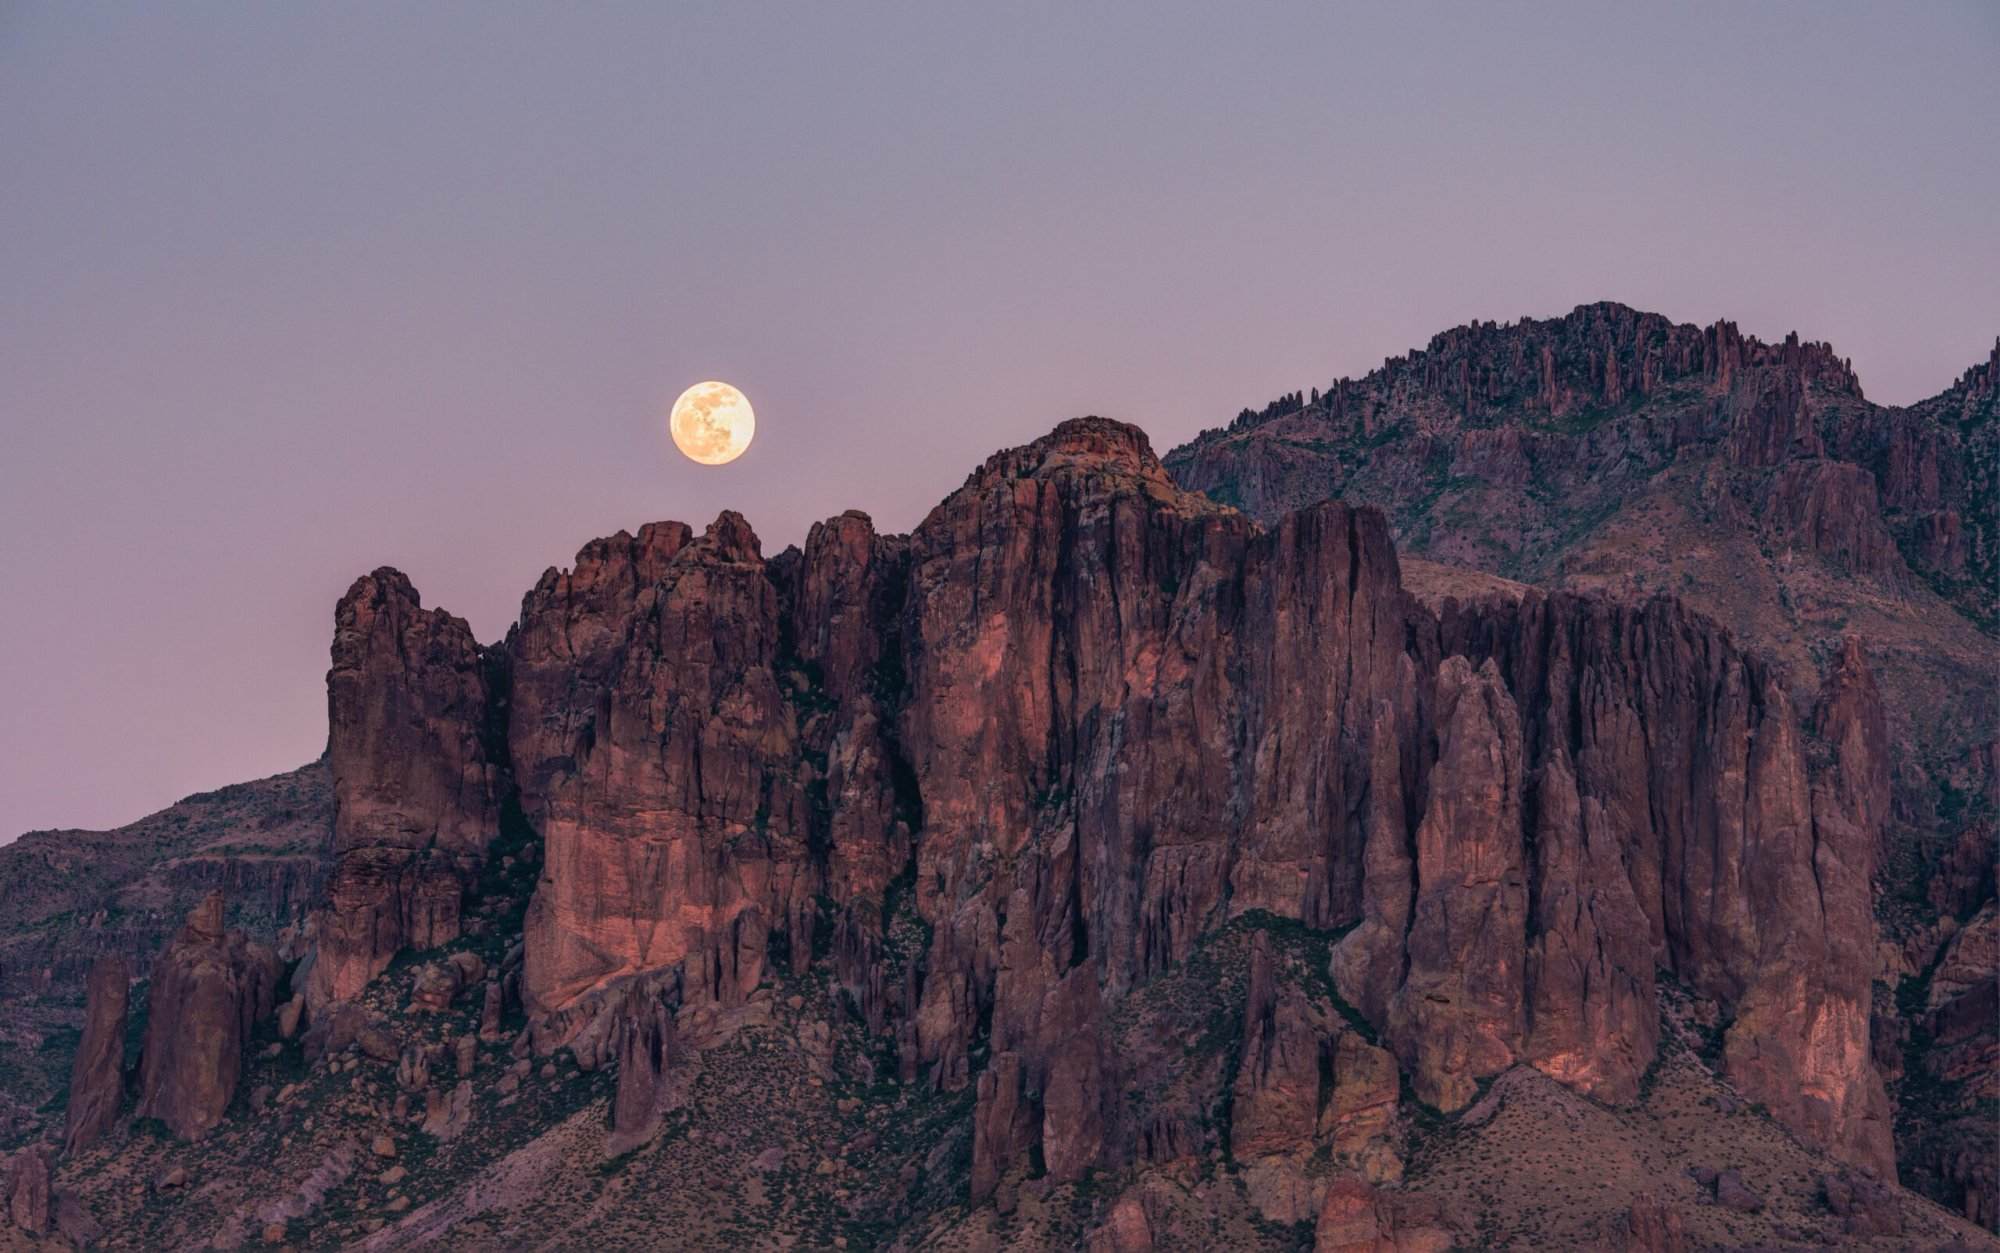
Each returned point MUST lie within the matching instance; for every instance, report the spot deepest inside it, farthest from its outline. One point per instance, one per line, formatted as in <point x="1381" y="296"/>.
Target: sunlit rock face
<point x="680" y="832"/>
<point x="1001" y="772"/>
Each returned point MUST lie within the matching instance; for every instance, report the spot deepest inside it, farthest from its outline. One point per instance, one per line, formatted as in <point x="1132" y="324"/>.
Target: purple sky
<point x="287" y="293"/>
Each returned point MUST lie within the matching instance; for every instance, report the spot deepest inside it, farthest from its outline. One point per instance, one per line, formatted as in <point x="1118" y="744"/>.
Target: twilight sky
<point x="287" y="293"/>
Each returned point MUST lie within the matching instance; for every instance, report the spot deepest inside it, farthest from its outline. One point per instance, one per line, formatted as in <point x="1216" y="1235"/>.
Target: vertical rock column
<point x="1460" y="1014"/>
<point x="209" y="987"/>
<point x="417" y="780"/>
<point x="97" y="1074"/>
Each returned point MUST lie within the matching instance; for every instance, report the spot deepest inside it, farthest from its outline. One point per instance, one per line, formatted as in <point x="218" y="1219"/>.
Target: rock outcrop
<point x="679" y="834"/>
<point x="1461" y="1013"/>
<point x="1080" y="717"/>
<point x="97" y="1073"/>
<point x="1616" y="452"/>
<point x="1277" y="1096"/>
<point x="1358" y="1217"/>
<point x="645" y="1042"/>
<point x="1001" y="773"/>
<point x="414" y="707"/>
<point x="1689" y="758"/>
<point x="207" y="991"/>
<point x="1650" y="1227"/>
<point x="27" y="1184"/>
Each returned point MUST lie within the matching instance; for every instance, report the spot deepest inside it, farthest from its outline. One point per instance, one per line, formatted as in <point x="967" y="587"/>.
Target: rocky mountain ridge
<point x="1612" y="450"/>
<point x="1616" y="452"/>
<point x="1121" y="862"/>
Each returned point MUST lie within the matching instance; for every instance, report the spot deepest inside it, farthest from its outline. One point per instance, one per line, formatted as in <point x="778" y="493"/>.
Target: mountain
<point x="74" y="896"/>
<point x="1095" y="866"/>
<point x="1616" y="452"/>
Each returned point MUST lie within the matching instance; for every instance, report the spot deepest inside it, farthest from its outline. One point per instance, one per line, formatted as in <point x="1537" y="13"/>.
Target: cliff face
<point x="417" y="780"/>
<point x="1656" y="746"/>
<point x="1612" y="450"/>
<point x="1091" y="832"/>
<point x="1003" y="772"/>
<point x="1849" y="545"/>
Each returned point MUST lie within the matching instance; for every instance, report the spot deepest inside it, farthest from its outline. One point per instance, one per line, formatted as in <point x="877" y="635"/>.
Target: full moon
<point x="712" y="423"/>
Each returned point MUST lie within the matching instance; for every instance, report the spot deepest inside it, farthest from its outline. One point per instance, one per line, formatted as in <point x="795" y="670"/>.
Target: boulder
<point x="447" y="1115"/>
<point x="290" y="1015"/>
<point x="1126" y="1229"/>
<point x="1732" y="1193"/>
<point x="413" y="1068"/>
<point x="346" y="1026"/>
<point x="1866" y="1206"/>
<point x="1358" y="1217"/>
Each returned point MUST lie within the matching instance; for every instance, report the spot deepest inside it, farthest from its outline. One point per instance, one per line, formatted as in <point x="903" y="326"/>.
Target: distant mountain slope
<point x="1616" y="450"/>
<point x="72" y="895"/>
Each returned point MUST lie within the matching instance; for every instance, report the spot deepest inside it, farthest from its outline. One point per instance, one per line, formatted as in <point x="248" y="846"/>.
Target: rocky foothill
<point x="1101" y="865"/>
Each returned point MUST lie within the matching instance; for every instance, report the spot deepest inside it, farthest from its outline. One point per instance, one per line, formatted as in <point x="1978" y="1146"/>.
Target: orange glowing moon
<point x="712" y="423"/>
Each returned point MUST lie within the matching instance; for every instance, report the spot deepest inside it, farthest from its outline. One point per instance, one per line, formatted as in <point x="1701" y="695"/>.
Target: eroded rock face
<point x="566" y="648"/>
<point x="1461" y="1013"/>
<point x="97" y="1073"/>
<point x="1277" y="1095"/>
<point x="1754" y="889"/>
<point x="1121" y="721"/>
<point x="418" y="777"/>
<point x="1850" y="718"/>
<point x="1002" y="771"/>
<point x="1126" y="1228"/>
<point x="1308" y="1089"/>
<point x="679" y="836"/>
<point x="1357" y="1118"/>
<point x="207" y="990"/>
